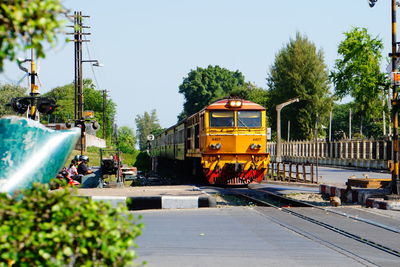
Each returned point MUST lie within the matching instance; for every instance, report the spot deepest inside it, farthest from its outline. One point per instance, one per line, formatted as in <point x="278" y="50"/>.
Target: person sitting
<point x="62" y="175"/>
<point x="73" y="172"/>
<point x="83" y="168"/>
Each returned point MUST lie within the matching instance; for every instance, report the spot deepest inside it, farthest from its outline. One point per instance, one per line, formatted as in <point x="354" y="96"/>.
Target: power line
<point x="91" y="66"/>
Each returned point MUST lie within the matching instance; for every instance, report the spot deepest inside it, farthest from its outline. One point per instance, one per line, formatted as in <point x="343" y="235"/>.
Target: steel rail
<point x="379" y="225"/>
<point x="327" y="226"/>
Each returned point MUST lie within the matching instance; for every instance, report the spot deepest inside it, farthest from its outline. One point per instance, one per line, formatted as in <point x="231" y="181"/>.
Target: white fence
<point x="356" y="153"/>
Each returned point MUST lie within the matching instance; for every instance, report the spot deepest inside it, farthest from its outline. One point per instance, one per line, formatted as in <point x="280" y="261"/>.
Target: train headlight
<point x="255" y="146"/>
<point x="215" y="146"/>
<point x="235" y="103"/>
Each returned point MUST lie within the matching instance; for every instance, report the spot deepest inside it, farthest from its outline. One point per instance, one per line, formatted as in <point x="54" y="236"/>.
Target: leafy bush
<point x="39" y="227"/>
<point x="129" y="158"/>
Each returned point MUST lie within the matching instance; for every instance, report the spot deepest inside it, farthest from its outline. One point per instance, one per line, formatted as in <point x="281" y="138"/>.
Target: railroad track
<point x="298" y="203"/>
<point x="266" y="198"/>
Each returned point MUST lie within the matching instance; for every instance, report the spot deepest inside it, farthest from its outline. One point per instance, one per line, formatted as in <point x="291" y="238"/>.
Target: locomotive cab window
<point x="249" y="118"/>
<point x="221" y="119"/>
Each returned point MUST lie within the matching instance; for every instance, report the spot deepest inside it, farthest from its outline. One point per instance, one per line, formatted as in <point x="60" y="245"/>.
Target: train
<point x="224" y="143"/>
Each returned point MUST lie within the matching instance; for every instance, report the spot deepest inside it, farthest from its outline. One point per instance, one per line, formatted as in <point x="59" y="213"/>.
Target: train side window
<point x="249" y="118"/>
<point x="189" y="138"/>
<point x="221" y="118"/>
<point x="196" y="136"/>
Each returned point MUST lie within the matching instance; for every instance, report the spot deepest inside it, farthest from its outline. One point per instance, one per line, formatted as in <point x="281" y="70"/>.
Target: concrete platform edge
<point x="159" y="202"/>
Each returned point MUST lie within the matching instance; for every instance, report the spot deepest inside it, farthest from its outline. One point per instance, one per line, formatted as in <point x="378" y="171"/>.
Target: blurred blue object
<point x="30" y="152"/>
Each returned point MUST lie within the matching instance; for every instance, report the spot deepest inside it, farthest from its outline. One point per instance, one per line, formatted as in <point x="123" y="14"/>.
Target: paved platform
<point x="152" y="197"/>
<point x="370" y="198"/>
<point x="339" y="176"/>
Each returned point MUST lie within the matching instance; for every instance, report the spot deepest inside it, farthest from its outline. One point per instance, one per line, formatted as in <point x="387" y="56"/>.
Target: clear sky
<point x="149" y="46"/>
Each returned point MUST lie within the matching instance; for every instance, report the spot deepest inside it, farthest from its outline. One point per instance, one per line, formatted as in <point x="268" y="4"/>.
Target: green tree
<point x="8" y="91"/>
<point x="203" y="86"/>
<point x="93" y="100"/>
<point x="357" y="73"/>
<point x="299" y="70"/>
<point x="252" y="92"/>
<point x="64" y="96"/>
<point x="145" y="125"/>
<point x="126" y="140"/>
<point x="340" y="121"/>
<point x="25" y="24"/>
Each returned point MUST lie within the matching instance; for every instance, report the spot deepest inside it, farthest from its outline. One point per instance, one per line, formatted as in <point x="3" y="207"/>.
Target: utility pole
<point x="316" y="146"/>
<point x="33" y="114"/>
<point x="395" y="187"/>
<point x="395" y="172"/>
<point x="330" y="126"/>
<point x="350" y="124"/>
<point x="78" y="40"/>
<point x="104" y="114"/>
<point x="384" y="117"/>
<point x="390" y="109"/>
<point x="78" y="83"/>
<point x="33" y="100"/>
<point x="34" y="104"/>
<point x="278" y="156"/>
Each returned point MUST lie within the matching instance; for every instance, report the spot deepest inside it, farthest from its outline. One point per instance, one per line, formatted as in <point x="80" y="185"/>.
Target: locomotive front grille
<point x="233" y="167"/>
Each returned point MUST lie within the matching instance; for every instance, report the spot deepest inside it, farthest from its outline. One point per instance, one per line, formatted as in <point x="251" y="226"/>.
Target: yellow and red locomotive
<point x="226" y="140"/>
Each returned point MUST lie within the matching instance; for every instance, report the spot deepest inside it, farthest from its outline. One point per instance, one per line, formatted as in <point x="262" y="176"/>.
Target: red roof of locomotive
<point x="223" y="104"/>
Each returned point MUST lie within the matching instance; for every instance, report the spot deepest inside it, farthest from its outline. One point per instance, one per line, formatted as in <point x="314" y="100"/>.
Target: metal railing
<point x="292" y="172"/>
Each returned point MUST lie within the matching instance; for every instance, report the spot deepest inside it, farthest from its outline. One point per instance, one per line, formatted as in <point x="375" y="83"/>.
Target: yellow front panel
<point x="234" y="139"/>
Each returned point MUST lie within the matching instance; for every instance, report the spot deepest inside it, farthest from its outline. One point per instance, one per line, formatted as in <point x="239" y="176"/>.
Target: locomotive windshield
<point x="249" y="118"/>
<point x="221" y="118"/>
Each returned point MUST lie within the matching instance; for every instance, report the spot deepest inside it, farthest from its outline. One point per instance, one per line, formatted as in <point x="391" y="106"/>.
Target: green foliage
<point x="143" y="162"/>
<point x="340" y="123"/>
<point x="27" y="23"/>
<point x="93" y="100"/>
<point x="64" y="97"/>
<point x="39" y="227"/>
<point x="130" y="158"/>
<point x="251" y="92"/>
<point x="146" y="124"/>
<point x="126" y="140"/>
<point x="92" y="149"/>
<point x="299" y="71"/>
<point x="8" y="91"/>
<point x="203" y="86"/>
<point x="357" y="73"/>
